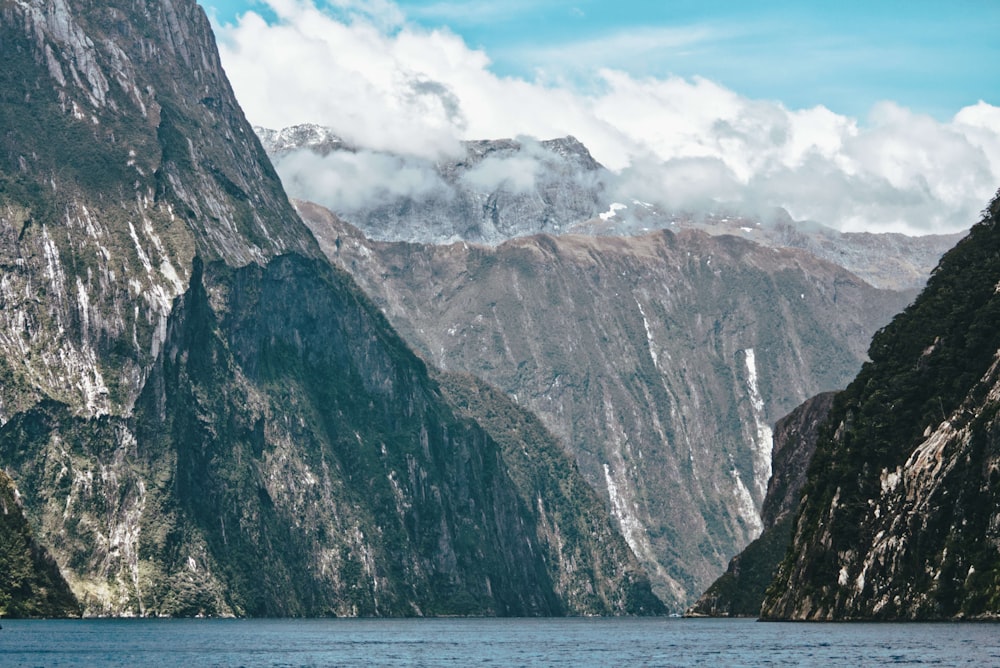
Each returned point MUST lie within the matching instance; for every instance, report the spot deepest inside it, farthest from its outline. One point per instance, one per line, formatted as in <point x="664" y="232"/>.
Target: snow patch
<point x="613" y="211"/>
<point x="649" y="336"/>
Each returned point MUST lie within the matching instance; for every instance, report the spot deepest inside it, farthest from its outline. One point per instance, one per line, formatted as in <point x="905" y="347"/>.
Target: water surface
<point x="574" y="643"/>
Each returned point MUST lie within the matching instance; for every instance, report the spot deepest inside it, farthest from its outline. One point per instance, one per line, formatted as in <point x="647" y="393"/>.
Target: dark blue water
<point x="576" y="643"/>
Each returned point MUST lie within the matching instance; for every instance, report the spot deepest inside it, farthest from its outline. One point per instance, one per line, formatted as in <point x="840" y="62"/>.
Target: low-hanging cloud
<point x="514" y="174"/>
<point x="389" y="86"/>
<point x="350" y="181"/>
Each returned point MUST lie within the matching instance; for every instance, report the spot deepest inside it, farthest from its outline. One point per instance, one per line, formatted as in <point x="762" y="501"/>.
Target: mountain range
<point x="496" y="190"/>
<point x="486" y="384"/>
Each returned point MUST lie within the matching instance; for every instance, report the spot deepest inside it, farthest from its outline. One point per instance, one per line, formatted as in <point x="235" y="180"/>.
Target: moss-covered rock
<point x="899" y="514"/>
<point x="30" y="582"/>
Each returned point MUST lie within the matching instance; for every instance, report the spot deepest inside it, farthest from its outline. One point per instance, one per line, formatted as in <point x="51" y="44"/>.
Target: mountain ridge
<point x="497" y="190"/>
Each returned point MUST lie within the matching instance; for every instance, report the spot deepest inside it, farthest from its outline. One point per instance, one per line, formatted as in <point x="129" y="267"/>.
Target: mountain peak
<point x="316" y="138"/>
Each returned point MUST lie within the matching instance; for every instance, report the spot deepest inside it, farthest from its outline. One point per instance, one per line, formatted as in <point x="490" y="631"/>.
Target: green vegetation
<point x="930" y="364"/>
<point x="740" y="590"/>
<point x="30" y="582"/>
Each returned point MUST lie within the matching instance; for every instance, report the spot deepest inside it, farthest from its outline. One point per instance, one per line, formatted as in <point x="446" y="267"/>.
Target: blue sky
<point x="930" y="56"/>
<point x="880" y="115"/>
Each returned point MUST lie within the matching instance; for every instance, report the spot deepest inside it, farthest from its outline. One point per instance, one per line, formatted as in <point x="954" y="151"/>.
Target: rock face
<point x="899" y="515"/>
<point x="660" y="361"/>
<point x="123" y="155"/>
<point x="199" y="413"/>
<point x="739" y="592"/>
<point x="30" y="582"/>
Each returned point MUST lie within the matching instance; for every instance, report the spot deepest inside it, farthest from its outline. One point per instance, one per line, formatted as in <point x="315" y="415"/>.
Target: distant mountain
<point x="899" y="515"/>
<point x="660" y="361"/>
<point x="502" y="189"/>
<point x="199" y="414"/>
<point x="496" y="191"/>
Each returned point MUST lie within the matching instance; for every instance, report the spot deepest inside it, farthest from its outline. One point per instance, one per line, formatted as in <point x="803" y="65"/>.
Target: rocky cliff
<point x="660" y="361"/>
<point x="739" y="592"/>
<point x="123" y="155"/>
<point x="200" y="414"/>
<point x="899" y="513"/>
<point x="30" y="582"/>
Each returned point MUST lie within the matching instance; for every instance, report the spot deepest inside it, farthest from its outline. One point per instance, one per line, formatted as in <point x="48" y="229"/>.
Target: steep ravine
<point x="739" y="592"/>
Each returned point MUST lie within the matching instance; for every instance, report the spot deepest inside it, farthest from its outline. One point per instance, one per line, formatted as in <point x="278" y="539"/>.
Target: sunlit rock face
<point x="199" y="414"/>
<point x="660" y="361"/>
<point x="123" y="155"/>
<point x="899" y="514"/>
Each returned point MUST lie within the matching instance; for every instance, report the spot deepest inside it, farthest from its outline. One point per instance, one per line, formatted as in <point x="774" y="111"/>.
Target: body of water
<point x="573" y="643"/>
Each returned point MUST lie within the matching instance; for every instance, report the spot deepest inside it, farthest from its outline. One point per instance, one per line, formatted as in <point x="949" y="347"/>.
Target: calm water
<point x="578" y="643"/>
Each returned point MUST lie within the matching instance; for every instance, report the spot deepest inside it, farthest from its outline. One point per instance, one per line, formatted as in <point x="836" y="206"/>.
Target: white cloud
<point x="387" y="85"/>
<point x="347" y="181"/>
<point x="515" y="174"/>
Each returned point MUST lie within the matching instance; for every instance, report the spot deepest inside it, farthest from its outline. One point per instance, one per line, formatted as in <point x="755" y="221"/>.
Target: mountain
<point x="659" y="361"/>
<point x="739" y="592"/>
<point x="30" y="582"/>
<point x="494" y="191"/>
<point x="200" y="415"/>
<point x="898" y="518"/>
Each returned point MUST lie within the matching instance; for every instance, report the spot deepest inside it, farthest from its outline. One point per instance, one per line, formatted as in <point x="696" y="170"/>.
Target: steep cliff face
<point x="201" y="415"/>
<point x="899" y="514"/>
<point x="30" y="582"/>
<point x="660" y="361"/>
<point x="739" y="592"/>
<point x="300" y="461"/>
<point x="123" y="154"/>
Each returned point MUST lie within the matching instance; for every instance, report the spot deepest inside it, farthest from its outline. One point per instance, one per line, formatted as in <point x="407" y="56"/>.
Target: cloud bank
<point x="389" y="86"/>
